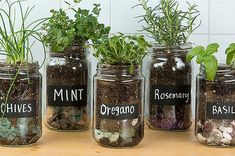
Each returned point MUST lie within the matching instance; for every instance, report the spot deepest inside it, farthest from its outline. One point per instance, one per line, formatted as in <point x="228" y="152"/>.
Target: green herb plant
<point x="121" y="50"/>
<point x="230" y="52"/>
<point x="205" y="56"/>
<point x="167" y="24"/>
<point x="63" y="32"/>
<point x="15" y="43"/>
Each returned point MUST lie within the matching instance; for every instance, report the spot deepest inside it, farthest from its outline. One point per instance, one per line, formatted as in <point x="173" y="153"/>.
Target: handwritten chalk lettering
<point x="61" y="96"/>
<point x="221" y="111"/>
<point x="18" y="109"/>
<point x="68" y="95"/>
<point x="118" y="112"/>
<point x="166" y="96"/>
<point x="170" y="95"/>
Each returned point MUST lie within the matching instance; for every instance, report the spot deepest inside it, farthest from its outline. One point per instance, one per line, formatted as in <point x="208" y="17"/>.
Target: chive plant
<point x="15" y="43"/>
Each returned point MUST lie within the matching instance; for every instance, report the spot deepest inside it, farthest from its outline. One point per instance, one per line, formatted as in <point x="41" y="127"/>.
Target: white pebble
<point x="201" y="138"/>
<point x="134" y="122"/>
<point x="227" y="136"/>
<point x="98" y="134"/>
<point x="226" y="129"/>
<point x="218" y="132"/>
<point x="225" y="142"/>
<point x="114" y="137"/>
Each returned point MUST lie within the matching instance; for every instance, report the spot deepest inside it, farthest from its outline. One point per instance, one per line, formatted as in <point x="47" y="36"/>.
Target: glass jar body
<point x="21" y="107"/>
<point x="118" y="106"/>
<point x="67" y="85"/>
<point x="169" y="89"/>
<point x="215" y="108"/>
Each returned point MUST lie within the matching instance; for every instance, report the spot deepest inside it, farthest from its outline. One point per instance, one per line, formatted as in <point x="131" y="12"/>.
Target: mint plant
<point x="62" y="32"/>
<point x="167" y="24"/>
<point x="205" y="56"/>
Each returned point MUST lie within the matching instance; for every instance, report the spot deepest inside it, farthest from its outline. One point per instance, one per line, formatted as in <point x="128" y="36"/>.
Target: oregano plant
<point x="121" y="50"/>
<point x="62" y="32"/>
<point x="205" y="56"/>
<point x="167" y="24"/>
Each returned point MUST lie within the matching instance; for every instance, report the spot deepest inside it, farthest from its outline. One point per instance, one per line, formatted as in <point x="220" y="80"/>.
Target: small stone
<point x="226" y="129"/>
<point x="114" y="137"/>
<point x="225" y="142"/>
<point x="107" y="134"/>
<point x="127" y="133"/>
<point x="207" y="127"/>
<point x="200" y="138"/>
<point x="233" y="123"/>
<point x="134" y="122"/>
<point x="216" y="131"/>
<point x="98" y="134"/>
<point x="215" y="137"/>
<point x="227" y="136"/>
<point x="166" y="124"/>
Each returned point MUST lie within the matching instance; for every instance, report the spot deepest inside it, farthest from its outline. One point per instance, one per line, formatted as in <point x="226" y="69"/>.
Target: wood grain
<point x="81" y="143"/>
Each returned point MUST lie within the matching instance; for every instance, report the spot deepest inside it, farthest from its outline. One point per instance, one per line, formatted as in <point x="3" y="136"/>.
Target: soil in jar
<point x="171" y="72"/>
<point x="119" y="132"/>
<point x="21" y="123"/>
<point x="215" y="121"/>
<point x="71" y="115"/>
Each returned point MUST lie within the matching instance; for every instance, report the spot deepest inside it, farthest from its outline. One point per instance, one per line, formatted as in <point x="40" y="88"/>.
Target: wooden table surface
<point x="157" y="143"/>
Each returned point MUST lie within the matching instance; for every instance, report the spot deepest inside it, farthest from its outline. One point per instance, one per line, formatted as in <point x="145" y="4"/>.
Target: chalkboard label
<point x="63" y="96"/>
<point x="18" y="109"/>
<point x="170" y="95"/>
<point x="118" y="112"/>
<point x="220" y="111"/>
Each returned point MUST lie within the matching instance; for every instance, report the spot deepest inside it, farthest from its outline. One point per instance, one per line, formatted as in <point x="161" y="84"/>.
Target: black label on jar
<point x="220" y="110"/>
<point x="18" y="109"/>
<point x="118" y="112"/>
<point x="75" y="96"/>
<point x="170" y="95"/>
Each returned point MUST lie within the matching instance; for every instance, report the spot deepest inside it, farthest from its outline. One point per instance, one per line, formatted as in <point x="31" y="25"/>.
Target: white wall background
<point x="218" y="24"/>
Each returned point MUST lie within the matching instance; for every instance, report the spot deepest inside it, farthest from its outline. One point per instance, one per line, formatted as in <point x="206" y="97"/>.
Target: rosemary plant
<point x="167" y="24"/>
<point x="15" y="43"/>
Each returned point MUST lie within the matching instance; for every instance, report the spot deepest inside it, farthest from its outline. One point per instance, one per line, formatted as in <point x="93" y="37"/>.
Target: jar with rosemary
<point x="215" y="97"/>
<point x="20" y="79"/>
<point x="168" y="84"/>
<point x="68" y="67"/>
<point x="118" y="117"/>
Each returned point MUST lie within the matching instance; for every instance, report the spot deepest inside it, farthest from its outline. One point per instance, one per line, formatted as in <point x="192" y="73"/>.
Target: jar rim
<point x="69" y="50"/>
<point x="222" y="68"/>
<point x="185" y="46"/>
<point x="24" y="66"/>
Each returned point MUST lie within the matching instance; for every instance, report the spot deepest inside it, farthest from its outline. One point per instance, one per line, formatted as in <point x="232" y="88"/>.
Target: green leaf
<point x="211" y="66"/>
<point x="230" y="51"/>
<point x="194" y="52"/>
<point x="212" y="48"/>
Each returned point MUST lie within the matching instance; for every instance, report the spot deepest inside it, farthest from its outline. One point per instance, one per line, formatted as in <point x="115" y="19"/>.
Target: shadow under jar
<point x="20" y="106"/>
<point x="67" y="90"/>
<point x="169" y="88"/>
<point x="118" y="106"/>
<point x="215" y="108"/>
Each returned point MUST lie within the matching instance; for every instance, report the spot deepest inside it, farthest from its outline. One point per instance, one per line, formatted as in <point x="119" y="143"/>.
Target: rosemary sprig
<point x="167" y="24"/>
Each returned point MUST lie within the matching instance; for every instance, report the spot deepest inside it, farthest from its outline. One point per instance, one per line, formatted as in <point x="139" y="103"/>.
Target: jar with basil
<point x="215" y="98"/>
<point x="168" y="102"/>
<point x="68" y="67"/>
<point x="118" y="117"/>
<point x="20" y="80"/>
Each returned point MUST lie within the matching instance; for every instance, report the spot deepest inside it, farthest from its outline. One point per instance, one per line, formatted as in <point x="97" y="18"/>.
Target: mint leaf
<point x="211" y="66"/>
<point x="212" y="48"/>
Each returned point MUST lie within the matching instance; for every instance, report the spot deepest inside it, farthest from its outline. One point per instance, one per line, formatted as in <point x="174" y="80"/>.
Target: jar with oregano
<point x="118" y="119"/>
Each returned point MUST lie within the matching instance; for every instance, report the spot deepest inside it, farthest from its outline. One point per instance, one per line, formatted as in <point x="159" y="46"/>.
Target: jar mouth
<point x="108" y="68"/>
<point x="74" y="49"/>
<point x="22" y="66"/>
<point x="185" y="46"/>
<point x="222" y="68"/>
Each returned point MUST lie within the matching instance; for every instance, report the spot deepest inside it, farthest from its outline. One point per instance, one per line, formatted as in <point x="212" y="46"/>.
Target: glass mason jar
<point x="67" y="83"/>
<point x="118" y="106"/>
<point x="215" y="108"/>
<point x="20" y="104"/>
<point x="169" y="88"/>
